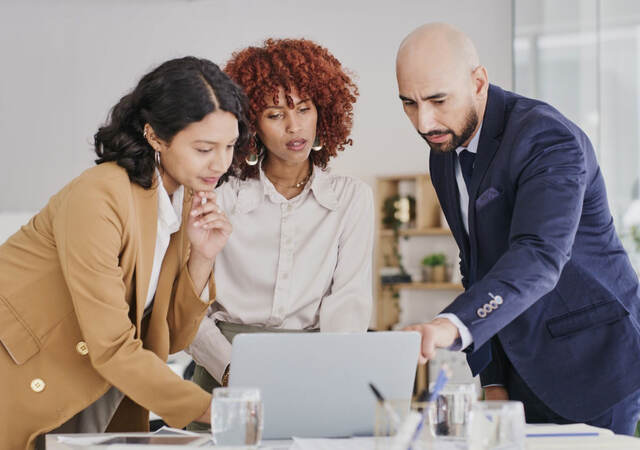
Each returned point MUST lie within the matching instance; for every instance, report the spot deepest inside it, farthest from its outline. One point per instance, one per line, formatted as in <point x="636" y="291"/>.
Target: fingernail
<point x="194" y="212"/>
<point x="196" y="223"/>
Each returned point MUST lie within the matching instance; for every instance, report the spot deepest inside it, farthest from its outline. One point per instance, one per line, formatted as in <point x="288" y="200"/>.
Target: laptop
<point x="317" y="384"/>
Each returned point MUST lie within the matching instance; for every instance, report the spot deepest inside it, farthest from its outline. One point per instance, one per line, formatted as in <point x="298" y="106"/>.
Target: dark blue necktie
<point x="466" y="165"/>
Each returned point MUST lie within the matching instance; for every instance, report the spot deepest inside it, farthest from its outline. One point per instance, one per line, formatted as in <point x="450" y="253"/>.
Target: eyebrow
<point x="204" y="141"/>
<point x="282" y="107"/>
<point x="436" y="96"/>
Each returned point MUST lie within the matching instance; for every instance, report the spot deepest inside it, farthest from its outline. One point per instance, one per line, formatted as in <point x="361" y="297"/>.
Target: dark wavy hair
<point x="169" y="98"/>
<point x="310" y="69"/>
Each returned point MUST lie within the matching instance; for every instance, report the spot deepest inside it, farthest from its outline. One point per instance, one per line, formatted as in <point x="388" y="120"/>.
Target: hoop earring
<point x="157" y="158"/>
<point x="317" y="146"/>
<point x="252" y="159"/>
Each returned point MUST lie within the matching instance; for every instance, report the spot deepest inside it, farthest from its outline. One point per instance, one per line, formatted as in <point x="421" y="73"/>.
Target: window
<point x="583" y="57"/>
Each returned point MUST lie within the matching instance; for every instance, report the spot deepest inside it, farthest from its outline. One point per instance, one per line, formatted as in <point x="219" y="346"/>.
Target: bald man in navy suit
<point x="551" y="310"/>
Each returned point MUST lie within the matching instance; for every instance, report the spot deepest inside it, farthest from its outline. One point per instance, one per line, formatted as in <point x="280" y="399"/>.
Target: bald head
<point x="446" y="48"/>
<point x="442" y="85"/>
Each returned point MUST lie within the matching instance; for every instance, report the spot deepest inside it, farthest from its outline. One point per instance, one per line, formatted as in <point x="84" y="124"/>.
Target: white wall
<point x="66" y="62"/>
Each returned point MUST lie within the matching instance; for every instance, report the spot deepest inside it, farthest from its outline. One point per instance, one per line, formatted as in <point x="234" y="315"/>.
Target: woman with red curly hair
<point x="299" y="257"/>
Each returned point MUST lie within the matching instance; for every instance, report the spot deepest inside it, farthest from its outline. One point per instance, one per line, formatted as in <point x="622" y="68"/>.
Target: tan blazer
<point x="73" y="284"/>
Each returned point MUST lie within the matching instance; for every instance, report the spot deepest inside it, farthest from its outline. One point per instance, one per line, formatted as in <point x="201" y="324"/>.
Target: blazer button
<point x="487" y="308"/>
<point x="494" y="304"/>
<point x="37" y="385"/>
<point x="481" y="313"/>
<point x="81" y="347"/>
<point x="498" y="299"/>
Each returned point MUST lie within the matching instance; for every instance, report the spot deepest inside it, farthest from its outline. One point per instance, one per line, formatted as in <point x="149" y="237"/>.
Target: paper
<point x="365" y="443"/>
<point x="570" y="430"/>
<point x="165" y="430"/>
<point x="82" y="440"/>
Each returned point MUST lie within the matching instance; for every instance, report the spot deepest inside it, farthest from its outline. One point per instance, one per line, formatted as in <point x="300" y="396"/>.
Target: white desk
<point x="613" y="442"/>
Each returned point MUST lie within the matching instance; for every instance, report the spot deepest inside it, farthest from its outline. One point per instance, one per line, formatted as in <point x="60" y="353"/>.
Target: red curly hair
<point x="308" y="68"/>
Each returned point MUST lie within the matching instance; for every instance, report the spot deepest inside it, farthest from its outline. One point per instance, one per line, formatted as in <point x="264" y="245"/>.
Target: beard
<point x="470" y="124"/>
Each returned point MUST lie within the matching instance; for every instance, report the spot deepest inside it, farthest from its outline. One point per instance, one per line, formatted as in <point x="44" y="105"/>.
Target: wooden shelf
<point x="429" y="286"/>
<point x="427" y="222"/>
<point x="418" y="232"/>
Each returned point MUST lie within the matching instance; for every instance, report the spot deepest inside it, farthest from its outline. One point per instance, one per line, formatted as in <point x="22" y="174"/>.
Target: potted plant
<point x="398" y="212"/>
<point x="435" y="265"/>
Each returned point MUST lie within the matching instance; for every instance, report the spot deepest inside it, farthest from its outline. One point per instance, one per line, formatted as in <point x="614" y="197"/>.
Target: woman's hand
<point x="206" y="417"/>
<point x="208" y="230"/>
<point x="208" y="227"/>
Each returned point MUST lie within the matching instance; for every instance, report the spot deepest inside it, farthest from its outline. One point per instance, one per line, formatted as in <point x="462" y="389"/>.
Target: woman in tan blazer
<point x="99" y="287"/>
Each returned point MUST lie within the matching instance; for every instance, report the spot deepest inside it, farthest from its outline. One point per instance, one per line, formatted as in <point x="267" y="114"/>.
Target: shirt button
<point x="37" y="385"/>
<point x="481" y="313"/>
<point x="81" y="347"/>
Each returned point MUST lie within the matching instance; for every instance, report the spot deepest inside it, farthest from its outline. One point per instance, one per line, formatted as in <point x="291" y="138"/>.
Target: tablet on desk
<point x="317" y="384"/>
<point x="155" y="440"/>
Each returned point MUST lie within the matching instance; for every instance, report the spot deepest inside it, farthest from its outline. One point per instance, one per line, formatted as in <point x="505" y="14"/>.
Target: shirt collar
<point x="322" y="189"/>
<point x="473" y="145"/>
<point x="253" y="192"/>
<point x="169" y="209"/>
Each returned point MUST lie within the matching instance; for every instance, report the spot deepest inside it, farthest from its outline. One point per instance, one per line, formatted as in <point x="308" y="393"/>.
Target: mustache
<point x="434" y="133"/>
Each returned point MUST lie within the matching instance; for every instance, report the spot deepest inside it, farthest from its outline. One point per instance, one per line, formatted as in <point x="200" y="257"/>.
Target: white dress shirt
<point x="465" y="335"/>
<point x="302" y="264"/>
<point x="169" y="221"/>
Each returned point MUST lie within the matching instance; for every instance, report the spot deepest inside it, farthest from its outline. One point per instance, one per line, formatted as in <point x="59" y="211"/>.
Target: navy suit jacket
<point x="541" y="237"/>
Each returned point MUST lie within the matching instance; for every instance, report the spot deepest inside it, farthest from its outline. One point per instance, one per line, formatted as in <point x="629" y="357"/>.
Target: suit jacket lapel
<point x="492" y="126"/>
<point x="146" y="217"/>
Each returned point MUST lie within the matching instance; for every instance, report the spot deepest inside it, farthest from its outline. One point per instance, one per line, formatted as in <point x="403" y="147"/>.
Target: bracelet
<point x="225" y="377"/>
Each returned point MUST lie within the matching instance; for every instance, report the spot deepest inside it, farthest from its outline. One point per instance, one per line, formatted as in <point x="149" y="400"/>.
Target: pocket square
<point x="487" y="196"/>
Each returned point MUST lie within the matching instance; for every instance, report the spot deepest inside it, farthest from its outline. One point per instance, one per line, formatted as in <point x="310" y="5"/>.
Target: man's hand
<point x="496" y="393"/>
<point x="439" y="333"/>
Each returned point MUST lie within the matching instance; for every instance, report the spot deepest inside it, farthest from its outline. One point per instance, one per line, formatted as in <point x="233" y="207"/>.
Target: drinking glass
<point x="452" y="411"/>
<point x="236" y="417"/>
<point x="394" y="428"/>
<point x="497" y="424"/>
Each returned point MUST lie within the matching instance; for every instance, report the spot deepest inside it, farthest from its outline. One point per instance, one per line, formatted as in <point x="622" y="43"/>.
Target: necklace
<point x="301" y="183"/>
<point x="298" y="185"/>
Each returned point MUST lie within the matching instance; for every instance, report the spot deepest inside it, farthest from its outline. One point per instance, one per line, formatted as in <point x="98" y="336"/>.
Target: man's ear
<point x="480" y="81"/>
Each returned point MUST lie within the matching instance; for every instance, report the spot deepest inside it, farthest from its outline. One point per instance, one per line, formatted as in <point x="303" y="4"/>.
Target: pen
<point x="385" y="404"/>
<point x="539" y="435"/>
<point x="437" y="387"/>
<point x="440" y="382"/>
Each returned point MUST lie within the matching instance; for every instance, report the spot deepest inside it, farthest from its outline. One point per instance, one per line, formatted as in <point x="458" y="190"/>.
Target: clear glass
<point x="236" y="417"/>
<point x="453" y="405"/>
<point x="394" y="428"/>
<point x="497" y="424"/>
